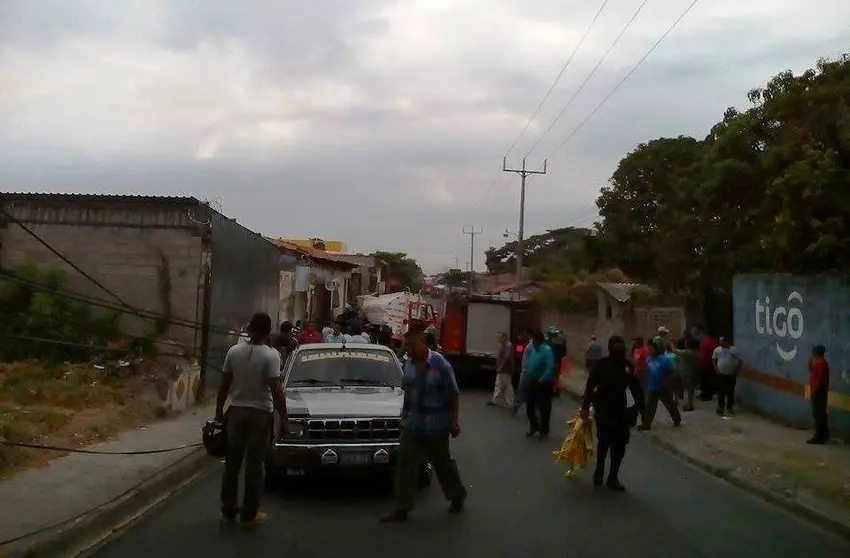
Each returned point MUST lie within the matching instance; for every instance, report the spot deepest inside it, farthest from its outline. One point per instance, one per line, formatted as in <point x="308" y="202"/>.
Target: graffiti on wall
<point x="778" y="321"/>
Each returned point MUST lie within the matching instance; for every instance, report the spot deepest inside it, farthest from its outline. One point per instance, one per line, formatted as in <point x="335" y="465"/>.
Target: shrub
<point x="29" y="311"/>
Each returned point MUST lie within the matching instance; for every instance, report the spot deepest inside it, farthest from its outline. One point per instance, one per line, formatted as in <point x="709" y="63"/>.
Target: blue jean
<point x="521" y="392"/>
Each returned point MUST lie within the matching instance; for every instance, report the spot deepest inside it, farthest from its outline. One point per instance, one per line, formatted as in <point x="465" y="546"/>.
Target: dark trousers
<point x="248" y="433"/>
<point x="819" y="401"/>
<point x="726" y="391"/>
<point x="612" y="436"/>
<point x="416" y="449"/>
<point x="707" y="381"/>
<point x="539" y="400"/>
<point x="666" y="397"/>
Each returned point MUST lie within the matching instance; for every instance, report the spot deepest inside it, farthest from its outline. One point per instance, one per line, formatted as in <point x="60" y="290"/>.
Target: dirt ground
<point x="74" y="405"/>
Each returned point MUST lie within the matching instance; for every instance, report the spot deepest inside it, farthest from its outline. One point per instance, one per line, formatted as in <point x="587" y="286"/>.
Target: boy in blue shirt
<point x="660" y="380"/>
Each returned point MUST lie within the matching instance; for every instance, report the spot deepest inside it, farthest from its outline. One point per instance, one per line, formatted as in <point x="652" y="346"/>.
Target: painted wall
<point x="778" y="320"/>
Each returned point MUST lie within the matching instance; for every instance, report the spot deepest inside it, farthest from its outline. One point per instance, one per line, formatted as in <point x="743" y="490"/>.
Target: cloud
<point x="378" y="122"/>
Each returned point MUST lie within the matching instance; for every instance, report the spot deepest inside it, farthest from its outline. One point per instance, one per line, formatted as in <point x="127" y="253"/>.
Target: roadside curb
<point x="97" y="527"/>
<point x="726" y="475"/>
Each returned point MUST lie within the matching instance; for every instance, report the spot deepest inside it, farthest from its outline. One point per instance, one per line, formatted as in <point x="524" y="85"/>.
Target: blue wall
<point x="778" y="320"/>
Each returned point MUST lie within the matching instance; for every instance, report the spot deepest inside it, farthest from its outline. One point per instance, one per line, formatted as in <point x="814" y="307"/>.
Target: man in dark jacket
<point x="606" y="391"/>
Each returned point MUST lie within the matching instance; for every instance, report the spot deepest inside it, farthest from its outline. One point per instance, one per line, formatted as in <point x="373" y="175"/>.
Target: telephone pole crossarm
<point x="523" y="172"/>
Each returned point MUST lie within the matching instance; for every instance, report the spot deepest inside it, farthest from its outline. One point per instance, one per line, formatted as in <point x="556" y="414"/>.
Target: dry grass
<point x="72" y="405"/>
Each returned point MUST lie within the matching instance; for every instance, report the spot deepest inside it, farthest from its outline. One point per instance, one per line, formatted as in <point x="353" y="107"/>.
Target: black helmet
<point x="214" y="437"/>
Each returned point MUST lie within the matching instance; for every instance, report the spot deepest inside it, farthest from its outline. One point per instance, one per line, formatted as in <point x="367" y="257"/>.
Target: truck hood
<point x="348" y="402"/>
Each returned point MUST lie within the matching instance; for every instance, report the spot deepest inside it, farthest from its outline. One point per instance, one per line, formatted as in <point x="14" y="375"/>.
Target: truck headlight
<point x="294" y="430"/>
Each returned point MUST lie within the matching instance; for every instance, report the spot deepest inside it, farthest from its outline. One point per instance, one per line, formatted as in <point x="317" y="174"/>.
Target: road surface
<point x="520" y="506"/>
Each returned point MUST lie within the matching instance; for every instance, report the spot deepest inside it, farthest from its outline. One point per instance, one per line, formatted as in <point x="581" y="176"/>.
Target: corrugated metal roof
<point x="106" y="198"/>
<point x="314" y="253"/>
<point x="621" y="292"/>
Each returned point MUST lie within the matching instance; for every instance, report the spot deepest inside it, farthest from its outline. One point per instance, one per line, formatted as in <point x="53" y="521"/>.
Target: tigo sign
<point x="784" y="322"/>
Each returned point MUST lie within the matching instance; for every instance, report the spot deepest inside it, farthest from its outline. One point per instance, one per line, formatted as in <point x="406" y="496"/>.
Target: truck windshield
<point x="340" y="367"/>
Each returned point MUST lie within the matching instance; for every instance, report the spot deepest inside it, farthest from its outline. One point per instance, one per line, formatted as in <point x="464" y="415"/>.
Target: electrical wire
<point x="625" y="78"/>
<point x="589" y="76"/>
<point x="79" y="516"/>
<point x="102" y="303"/>
<point x="566" y="65"/>
<point x="99" y="452"/>
<point x="558" y="78"/>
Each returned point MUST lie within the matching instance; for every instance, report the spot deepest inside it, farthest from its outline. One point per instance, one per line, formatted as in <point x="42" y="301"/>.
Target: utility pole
<point x="523" y="172"/>
<point x="472" y="232"/>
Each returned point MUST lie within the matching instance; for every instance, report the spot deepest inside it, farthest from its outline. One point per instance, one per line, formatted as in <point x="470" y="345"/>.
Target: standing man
<point x="335" y="334"/>
<point x="252" y="379"/>
<point x="503" y="395"/>
<point x="727" y="363"/>
<point x="707" y="376"/>
<point x="819" y="385"/>
<point x="310" y="334"/>
<point x="284" y="341"/>
<point x="540" y="376"/>
<point x="606" y="391"/>
<point x="521" y="388"/>
<point x="429" y="418"/>
<point x="593" y="354"/>
<point x="659" y="387"/>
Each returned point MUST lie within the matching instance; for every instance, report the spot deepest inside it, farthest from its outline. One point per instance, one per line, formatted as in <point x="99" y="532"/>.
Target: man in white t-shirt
<point x="726" y="363"/>
<point x="251" y="377"/>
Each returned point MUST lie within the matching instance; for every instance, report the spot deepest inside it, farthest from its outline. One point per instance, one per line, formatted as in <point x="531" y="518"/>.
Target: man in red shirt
<point x="819" y="383"/>
<point x="707" y="376"/>
<point x="310" y="335"/>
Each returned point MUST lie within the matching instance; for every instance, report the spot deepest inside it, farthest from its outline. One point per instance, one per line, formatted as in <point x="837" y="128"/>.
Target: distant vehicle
<point x="396" y="310"/>
<point x="344" y="404"/>
<point x="471" y="324"/>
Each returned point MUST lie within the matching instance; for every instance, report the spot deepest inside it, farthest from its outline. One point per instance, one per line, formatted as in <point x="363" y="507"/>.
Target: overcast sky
<point x="379" y="123"/>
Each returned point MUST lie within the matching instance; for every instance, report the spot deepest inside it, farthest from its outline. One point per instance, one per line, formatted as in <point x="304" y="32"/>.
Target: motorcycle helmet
<point x="214" y="437"/>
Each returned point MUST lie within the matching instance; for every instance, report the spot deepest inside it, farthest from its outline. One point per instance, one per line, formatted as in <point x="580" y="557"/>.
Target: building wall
<point x="245" y="279"/>
<point x="127" y="248"/>
<point x="777" y="321"/>
<point x="578" y="328"/>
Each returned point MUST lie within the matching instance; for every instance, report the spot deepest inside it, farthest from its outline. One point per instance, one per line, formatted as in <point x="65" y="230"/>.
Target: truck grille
<point x="353" y="429"/>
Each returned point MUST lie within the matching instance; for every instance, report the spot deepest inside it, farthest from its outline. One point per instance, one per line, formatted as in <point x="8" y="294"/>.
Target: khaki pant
<point x="414" y="451"/>
<point x="248" y="432"/>
<point x="503" y="392"/>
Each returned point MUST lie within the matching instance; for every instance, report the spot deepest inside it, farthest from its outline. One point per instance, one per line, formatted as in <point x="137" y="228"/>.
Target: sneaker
<point x="259" y="519"/>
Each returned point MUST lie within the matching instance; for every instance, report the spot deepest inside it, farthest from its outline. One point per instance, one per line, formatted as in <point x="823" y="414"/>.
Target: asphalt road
<point x="520" y="506"/>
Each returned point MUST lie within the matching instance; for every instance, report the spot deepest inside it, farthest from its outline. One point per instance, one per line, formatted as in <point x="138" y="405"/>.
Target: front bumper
<point x="303" y="457"/>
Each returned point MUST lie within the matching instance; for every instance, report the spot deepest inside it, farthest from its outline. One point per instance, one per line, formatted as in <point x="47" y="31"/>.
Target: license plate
<point x="357" y="459"/>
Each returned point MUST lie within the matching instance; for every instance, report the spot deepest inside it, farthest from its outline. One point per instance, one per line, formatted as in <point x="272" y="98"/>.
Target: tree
<point x="764" y="191"/>
<point x="635" y="207"/>
<point x="547" y="250"/>
<point x="454" y="278"/>
<point x="403" y="269"/>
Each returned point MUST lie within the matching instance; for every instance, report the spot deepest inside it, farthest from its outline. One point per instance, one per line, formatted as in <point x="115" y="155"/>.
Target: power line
<point x="558" y="78"/>
<point x="625" y="78"/>
<point x="589" y="76"/>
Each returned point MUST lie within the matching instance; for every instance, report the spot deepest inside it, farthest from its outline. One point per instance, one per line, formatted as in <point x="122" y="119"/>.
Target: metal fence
<point x="778" y="321"/>
<point x="245" y="279"/>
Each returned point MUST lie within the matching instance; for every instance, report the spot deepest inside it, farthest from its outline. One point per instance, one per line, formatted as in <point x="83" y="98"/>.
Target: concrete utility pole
<point x="472" y="232"/>
<point x="523" y="172"/>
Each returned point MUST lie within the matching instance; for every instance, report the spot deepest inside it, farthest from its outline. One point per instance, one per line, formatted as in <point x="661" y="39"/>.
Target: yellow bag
<point x="577" y="447"/>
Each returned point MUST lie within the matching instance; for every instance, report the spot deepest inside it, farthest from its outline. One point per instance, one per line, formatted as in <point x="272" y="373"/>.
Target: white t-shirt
<point x="727" y="360"/>
<point x="251" y="367"/>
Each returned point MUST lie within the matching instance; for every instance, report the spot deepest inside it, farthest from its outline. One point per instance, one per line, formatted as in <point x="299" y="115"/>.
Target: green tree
<point x="554" y="252"/>
<point x="454" y="278"/>
<point x="764" y="191"/>
<point x="403" y="269"/>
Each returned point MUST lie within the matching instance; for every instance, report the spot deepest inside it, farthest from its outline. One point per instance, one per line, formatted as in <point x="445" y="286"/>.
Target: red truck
<point x="470" y="326"/>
